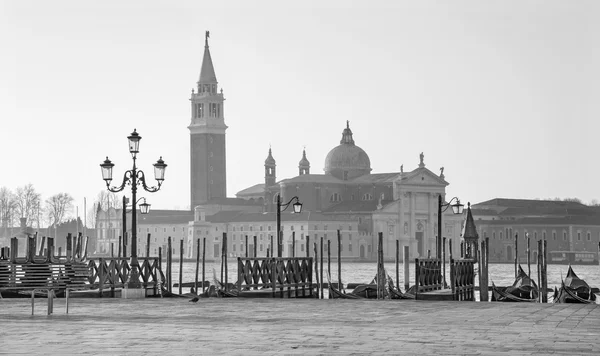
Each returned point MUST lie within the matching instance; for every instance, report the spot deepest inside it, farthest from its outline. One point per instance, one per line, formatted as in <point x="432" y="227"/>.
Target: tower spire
<point x="207" y="72"/>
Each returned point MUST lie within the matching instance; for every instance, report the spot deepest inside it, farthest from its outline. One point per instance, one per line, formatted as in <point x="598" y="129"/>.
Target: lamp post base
<point x="133" y="289"/>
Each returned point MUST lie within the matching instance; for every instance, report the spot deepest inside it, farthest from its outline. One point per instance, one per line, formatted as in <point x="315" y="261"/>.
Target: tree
<point x="594" y="202"/>
<point x="7" y="207"/>
<point x="27" y="202"/>
<point x="574" y="200"/>
<point x="57" y="206"/>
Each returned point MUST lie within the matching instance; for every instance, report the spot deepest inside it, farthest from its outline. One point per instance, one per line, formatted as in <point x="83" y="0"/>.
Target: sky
<point x="502" y="94"/>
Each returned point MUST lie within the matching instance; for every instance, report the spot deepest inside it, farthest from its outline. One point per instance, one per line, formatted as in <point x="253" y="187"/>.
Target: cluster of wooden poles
<point x="542" y="265"/>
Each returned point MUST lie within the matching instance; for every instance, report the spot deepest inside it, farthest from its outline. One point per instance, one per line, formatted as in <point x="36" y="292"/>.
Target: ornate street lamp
<point x="457" y="208"/>
<point x="134" y="177"/>
<point x="297" y="206"/>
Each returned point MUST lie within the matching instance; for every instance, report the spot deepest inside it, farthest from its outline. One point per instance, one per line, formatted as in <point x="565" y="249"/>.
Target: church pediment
<point x="421" y="176"/>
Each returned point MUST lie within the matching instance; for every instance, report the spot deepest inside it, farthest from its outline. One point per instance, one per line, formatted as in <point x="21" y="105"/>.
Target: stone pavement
<point x="264" y="326"/>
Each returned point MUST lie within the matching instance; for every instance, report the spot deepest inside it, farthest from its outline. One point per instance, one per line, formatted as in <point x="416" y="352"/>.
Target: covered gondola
<point x="574" y="290"/>
<point x="523" y="289"/>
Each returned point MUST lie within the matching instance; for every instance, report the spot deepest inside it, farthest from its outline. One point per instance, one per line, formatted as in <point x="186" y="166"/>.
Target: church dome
<point x="347" y="161"/>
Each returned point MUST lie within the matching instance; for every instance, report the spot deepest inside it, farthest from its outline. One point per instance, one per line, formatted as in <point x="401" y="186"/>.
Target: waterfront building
<point x="565" y="225"/>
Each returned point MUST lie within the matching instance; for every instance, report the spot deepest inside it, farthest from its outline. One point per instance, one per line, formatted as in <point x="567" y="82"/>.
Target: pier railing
<point x="428" y="274"/>
<point x="285" y="274"/>
<point x="462" y="279"/>
<point x="113" y="272"/>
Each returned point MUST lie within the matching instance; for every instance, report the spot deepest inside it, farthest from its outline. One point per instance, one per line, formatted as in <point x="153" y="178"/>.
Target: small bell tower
<point x="304" y="165"/>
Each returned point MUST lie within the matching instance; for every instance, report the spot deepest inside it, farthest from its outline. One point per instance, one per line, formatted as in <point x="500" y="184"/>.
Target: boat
<point x="573" y="257"/>
<point x="335" y="293"/>
<point x="396" y="293"/>
<point x="523" y="289"/>
<point x="574" y="290"/>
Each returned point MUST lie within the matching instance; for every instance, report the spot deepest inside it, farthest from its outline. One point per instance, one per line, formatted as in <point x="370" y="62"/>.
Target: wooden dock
<point x="281" y="326"/>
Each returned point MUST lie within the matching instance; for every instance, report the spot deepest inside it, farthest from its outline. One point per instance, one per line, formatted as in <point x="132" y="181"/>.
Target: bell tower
<point x="207" y="136"/>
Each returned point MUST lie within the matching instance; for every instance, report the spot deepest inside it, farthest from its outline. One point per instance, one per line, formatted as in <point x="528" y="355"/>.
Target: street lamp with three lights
<point x="134" y="177"/>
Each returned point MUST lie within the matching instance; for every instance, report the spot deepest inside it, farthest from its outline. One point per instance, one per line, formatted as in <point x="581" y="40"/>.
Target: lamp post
<point x="457" y="208"/>
<point x="144" y="209"/>
<point x="297" y="210"/>
<point x="134" y="177"/>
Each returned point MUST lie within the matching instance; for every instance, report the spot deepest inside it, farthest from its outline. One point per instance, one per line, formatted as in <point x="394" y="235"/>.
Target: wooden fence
<point x="462" y="279"/>
<point x="428" y="275"/>
<point x="292" y="275"/>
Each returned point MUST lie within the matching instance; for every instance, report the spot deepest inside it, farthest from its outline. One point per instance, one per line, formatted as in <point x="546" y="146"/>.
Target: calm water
<point x="363" y="272"/>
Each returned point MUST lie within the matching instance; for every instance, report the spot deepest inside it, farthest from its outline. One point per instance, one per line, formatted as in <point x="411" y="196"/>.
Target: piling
<point x="42" y="245"/>
<point x="255" y="247"/>
<point x="544" y="271"/>
<point x="293" y="243"/>
<point x="321" y="277"/>
<point x="271" y="250"/>
<point x="70" y="247"/>
<point x="112" y="250"/>
<point x="528" y="256"/>
<point x="516" y="254"/>
<point x="148" y="245"/>
<point x="339" y="261"/>
<point x="406" y="262"/>
<point x="203" y="261"/>
<point x="380" y="271"/>
<point x="169" y="266"/>
<point x="160" y="258"/>
<point x="397" y="264"/>
<point x="307" y="245"/>
<point x="125" y="244"/>
<point x="180" y="263"/>
<point x="317" y="270"/>
<point x="225" y="261"/>
<point x="267" y="252"/>
<point x="329" y="262"/>
<point x="462" y="250"/>
<point x="119" y="250"/>
<point x="539" y="264"/>
<point x="247" y="246"/>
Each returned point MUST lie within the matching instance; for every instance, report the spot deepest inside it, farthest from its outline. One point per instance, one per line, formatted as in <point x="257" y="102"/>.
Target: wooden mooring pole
<point x="148" y="245"/>
<point x="112" y="250"/>
<point x="516" y="254"/>
<point x="226" y="266"/>
<point x="293" y="243"/>
<point x="398" y="264"/>
<point x="246" y="246"/>
<point x="317" y="271"/>
<point x="198" y="265"/>
<point x="329" y="264"/>
<point x="307" y="245"/>
<point x="169" y="264"/>
<point x="528" y="256"/>
<point x="544" y="272"/>
<point x="160" y="258"/>
<point x="119" y="253"/>
<point x="321" y="277"/>
<point x="203" y="261"/>
<point x="339" y="259"/>
<point x="255" y="247"/>
<point x="406" y="262"/>
<point x="539" y="272"/>
<point x="180" y="265"/>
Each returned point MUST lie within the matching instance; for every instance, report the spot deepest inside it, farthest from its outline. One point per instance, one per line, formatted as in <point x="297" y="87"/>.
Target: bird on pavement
<point x="194" y="300"/>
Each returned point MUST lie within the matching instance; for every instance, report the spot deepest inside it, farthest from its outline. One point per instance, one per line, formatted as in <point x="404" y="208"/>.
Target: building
<point x="565" y="225"/>
<point x="401" y="205"/>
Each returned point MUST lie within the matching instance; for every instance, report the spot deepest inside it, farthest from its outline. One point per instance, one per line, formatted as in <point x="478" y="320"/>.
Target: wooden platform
<point x="440" y="294"/>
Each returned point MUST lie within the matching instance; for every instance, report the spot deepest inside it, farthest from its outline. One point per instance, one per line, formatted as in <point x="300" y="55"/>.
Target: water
<point x="363" y="272"/>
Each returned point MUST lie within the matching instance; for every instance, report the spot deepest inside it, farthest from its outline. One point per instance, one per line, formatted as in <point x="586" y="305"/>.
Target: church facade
<point x="401" y="205"/>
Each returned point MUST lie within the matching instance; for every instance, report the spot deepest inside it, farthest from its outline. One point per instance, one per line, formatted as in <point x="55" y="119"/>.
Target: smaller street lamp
<point x="457" y="208"/>
<point x="297" y="206"/>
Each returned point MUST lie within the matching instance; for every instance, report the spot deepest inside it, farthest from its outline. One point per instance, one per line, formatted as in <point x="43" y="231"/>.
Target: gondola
<point x="395" y="293"/>
<point x="523" y="289"/>
<point x="334" y="293"/>
<point x="574" y="290"/>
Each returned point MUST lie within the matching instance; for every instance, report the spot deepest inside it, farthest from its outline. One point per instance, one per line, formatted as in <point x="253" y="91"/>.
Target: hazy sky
<point x="503" y="94"/>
